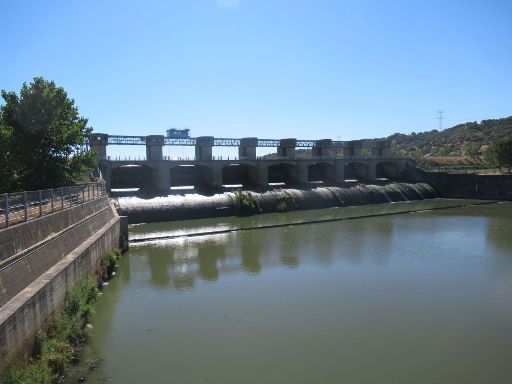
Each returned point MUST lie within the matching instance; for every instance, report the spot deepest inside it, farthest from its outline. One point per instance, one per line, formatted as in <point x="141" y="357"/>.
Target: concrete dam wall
<point x="41" y="259"/>
<point x="194" y="206"/>
<point x="469" y="186"/>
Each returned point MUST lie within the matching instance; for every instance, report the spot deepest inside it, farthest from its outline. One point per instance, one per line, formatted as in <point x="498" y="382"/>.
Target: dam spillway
<point x="195" y="206"/>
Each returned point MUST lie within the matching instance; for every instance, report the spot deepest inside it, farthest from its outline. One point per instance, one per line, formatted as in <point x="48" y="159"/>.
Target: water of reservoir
<point x="421" y="297"/>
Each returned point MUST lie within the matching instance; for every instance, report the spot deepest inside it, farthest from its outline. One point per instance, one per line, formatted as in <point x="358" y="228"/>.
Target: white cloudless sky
<point x="265" y="68"/>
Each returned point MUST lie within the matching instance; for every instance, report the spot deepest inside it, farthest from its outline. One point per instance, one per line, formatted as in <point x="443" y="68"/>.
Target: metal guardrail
<point x="19" y="207"/>
<point x="225" y="142"/>
<point x="229" y="142"/>
<point x="189" y="141"/>
<point x="127" y="140"/>
<point x="135" y="160"/>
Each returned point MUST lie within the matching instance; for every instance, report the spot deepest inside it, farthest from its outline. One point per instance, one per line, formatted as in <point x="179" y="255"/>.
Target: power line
<point x="440" y="118"/>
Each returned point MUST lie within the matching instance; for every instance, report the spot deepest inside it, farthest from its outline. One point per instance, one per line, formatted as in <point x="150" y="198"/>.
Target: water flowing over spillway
<point x="195" y="206"/>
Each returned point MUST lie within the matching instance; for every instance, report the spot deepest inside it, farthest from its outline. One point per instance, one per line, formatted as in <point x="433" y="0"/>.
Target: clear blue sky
<point x="266" y="68"/>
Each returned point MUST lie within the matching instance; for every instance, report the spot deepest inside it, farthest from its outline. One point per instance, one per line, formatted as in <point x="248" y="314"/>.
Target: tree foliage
<point x="44" y="136"/>
<point x="7" y="169"/>
<point x="471" y="149"/>
<point x="501" y="153"/>
<point x="452" y="141"/>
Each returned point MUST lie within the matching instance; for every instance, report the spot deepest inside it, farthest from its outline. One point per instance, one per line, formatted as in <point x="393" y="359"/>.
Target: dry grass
<point x="455" y="160"/>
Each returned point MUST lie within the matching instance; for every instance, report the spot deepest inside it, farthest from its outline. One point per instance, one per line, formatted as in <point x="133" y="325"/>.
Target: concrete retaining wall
<point x="22" y="236"/>
<point x="469" y="186"/>
<point x="78" y="251"/>
<point x="25" y="267"/>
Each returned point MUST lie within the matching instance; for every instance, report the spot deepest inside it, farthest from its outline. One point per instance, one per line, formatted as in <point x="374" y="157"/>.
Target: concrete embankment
<point x="41" y="259"/>
<point x="194" y="206"/>
<point x="469" y="186"/>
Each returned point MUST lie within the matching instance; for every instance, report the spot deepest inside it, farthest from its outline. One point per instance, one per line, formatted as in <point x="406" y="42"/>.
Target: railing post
<point x="25" y="204"/>
<point x="52" y="197"/>
<point x="83" y="193"/>
<point x="88" y="191"/>
<point x="40" y="196"/>
<point x="6" y="210"/>
<point x="62" y="199"/>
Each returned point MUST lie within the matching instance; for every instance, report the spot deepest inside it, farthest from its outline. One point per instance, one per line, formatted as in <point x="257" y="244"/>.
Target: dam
<point x="353" y="284"/>
<point x="361" y="159"/>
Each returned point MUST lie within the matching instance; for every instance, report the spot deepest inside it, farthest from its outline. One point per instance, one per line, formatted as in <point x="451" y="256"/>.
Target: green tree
<point x="47" y="136"/>
<point x="501" y="153"/>
<point x="8" y="177"/>
<point x="471" y="149"/>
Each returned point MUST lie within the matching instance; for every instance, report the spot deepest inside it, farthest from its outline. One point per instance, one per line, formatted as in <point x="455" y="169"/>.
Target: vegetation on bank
<point x="285" y="203"/>
<point x="42" y="139"/>
<point x="501" y="153"/>
<point x="59" y="347"/>
<point x="108" y="264"/>
<point x="245" y="203"/>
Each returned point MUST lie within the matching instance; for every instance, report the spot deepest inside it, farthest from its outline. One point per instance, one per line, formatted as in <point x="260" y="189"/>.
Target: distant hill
<point x="452" y="141"/>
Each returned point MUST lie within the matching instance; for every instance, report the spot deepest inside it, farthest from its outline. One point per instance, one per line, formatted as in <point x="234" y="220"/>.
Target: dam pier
<point x="329" y="161"/>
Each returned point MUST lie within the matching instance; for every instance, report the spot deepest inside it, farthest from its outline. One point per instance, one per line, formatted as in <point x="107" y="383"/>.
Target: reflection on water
<point x="250" y="253"/>
<point x="421" y="297"/>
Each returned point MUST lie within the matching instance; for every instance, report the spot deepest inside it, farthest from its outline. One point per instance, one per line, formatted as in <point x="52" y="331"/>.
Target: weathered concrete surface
<point x="157" y="174"/>
<point x="195" y="206"/>
<point x="469" y="186"/>
<point x="55" y="267"/>
<point x="17" y="272"/>
<point x="21" y="237"/>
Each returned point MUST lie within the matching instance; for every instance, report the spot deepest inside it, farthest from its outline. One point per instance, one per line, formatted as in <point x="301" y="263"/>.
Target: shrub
<point x="33" y="372"/>
<point x="54" y="351"/>
<point x="245" y="203"/>
<point x="108" y="263"/>
<point x="282" y="203"/>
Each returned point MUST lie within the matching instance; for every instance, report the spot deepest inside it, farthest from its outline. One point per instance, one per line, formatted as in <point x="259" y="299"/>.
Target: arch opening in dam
<point x="239" y="174"/>
<point x="321" y="172"/>
<point x="387" y="170"/>
<point x="356" y="170"/>
<point x="133" y="176"/>
<point x="186" y="175"/>
<point x="282" y="173"/>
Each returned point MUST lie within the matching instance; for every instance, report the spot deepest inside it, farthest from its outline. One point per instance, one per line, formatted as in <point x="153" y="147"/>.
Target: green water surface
<point x="421" y="297"/>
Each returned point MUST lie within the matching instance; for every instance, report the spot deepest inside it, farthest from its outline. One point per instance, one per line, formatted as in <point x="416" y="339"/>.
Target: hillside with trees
<point x="469" y="139"/>
<point x="479" y="145"/>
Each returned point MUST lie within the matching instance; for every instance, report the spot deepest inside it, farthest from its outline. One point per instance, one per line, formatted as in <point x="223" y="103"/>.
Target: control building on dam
<point x="364" y="160"/>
